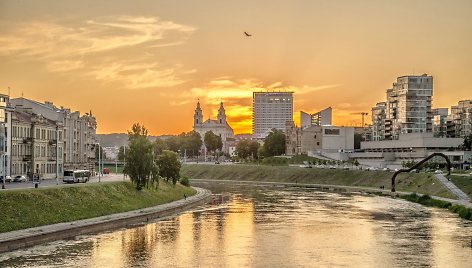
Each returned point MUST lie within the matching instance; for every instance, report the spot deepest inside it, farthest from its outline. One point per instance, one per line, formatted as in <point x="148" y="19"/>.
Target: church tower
<point x="221" y="114"/>
<point x="198" y="116"/>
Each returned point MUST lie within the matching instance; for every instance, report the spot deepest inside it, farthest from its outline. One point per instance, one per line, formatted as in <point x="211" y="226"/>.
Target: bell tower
<point x="198" y="116"/>
<point x="221" y="114"/>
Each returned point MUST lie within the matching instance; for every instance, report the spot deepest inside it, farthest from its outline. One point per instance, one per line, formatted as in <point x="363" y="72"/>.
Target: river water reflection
<point x="276" y="227"/>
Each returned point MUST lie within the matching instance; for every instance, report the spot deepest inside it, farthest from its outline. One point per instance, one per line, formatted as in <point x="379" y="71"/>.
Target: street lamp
<point x="99" y="171"/>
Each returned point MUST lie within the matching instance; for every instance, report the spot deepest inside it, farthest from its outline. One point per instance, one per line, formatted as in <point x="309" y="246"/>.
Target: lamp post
<point x="124" y="161"/>
<point x="99" y="167"/>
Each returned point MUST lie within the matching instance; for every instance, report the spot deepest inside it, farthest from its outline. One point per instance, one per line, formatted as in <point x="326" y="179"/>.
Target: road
<point x="52" y="182"/>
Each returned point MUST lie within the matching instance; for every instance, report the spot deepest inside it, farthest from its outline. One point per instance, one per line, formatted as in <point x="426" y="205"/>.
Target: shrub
<point x="185" y="181"/>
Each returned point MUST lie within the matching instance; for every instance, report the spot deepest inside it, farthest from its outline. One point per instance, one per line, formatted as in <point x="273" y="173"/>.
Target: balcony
<point x="53" y="142"/>
<point x="27" y="140"/>
<point x="26" y="158"/>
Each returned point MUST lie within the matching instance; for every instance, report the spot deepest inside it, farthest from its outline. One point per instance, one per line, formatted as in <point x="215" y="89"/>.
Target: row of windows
<point x="23" y="168"/>
<point x="40" y="133"/>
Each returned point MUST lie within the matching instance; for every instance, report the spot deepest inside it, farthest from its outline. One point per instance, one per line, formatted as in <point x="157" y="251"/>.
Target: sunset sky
<point x="149" y="61"/>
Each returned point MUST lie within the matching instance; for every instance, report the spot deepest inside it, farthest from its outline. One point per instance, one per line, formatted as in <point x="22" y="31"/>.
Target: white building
<point x="410" y="146"/>
<point x="270" y="110"/>
<point x="219" y="126"/>
<point x="321" y="118"/>
<point x="459" y="122"/>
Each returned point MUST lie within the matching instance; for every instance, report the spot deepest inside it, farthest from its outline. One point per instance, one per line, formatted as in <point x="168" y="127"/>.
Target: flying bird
<point x="247" y="35"/>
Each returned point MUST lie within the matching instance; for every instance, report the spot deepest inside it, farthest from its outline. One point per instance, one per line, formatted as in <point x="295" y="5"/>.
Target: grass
<point x="464" y="183"/>
<point x="465" y="213"/>
<point x="412" y="182"/>
<point x="27" y="208"/>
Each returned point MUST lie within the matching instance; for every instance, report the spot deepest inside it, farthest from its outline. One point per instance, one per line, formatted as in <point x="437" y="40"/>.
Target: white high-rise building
<point x="270" y="110"/>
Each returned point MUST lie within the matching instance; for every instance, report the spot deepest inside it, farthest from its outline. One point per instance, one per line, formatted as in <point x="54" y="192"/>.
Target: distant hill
<point x="120" y="139"/>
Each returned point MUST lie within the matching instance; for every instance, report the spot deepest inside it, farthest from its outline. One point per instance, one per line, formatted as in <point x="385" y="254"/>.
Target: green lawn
<point x="464" y="183"/>
<point x="412" y="182"/>
<point x="27" y="208"/>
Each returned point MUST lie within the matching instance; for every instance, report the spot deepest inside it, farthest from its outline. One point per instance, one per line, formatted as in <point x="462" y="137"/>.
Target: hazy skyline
<point x="149" y="61"/>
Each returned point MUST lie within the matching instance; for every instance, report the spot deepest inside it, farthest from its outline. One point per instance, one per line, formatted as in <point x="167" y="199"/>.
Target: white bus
<point x="76" y="176"/>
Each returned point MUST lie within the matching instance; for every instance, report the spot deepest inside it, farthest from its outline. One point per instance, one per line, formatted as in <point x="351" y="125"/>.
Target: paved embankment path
<point x="42" y="234"/>
<point x="452" y="187"/>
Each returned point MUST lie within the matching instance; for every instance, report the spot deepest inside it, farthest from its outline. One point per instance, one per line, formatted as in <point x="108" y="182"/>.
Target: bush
<point x="464" y="212"/>
<point x="185" y="181"/>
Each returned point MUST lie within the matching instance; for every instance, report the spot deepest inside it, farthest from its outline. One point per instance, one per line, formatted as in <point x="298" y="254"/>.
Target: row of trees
<point x="274" y="144"/>
<point x="189" y="142"/>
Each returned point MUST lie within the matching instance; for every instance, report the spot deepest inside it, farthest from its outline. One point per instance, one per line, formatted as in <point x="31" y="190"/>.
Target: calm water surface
<point x="276" y="227"/>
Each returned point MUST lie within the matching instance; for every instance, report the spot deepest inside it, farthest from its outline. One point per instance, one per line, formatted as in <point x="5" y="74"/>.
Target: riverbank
<point x="408" y="182"/>
<point x="43" y="234"/>
<point x="26" y="208"/>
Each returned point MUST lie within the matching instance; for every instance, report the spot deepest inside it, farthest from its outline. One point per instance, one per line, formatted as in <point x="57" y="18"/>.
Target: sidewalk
<point x="452" y="187"/>
<point x="42" y="234"/>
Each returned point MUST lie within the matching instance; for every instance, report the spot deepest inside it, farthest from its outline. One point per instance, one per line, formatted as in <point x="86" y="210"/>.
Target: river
<point x="248" y="226"/>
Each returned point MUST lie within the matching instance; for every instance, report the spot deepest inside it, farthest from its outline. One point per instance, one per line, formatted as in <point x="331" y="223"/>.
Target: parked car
<point x="7" y="179"/>
<point x="438" y="172"/>
<point x="469" y="174"/>
<point x="19" y="178"/>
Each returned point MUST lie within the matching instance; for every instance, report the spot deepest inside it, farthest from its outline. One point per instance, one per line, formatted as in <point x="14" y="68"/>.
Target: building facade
<point x="379" y="115"/>
<point x="409" y="105"/>
<point x="219" y="126"/>
<point x="270" y="110"/>
<point x="35" y="148"/>
<point x="302" y="140"/>
<point x="406" y="110"/>
<point x="57" y="136"/>
<point x="440" y="122"/>
<point x="321" y="118"/>
<point x="459" y="122"/>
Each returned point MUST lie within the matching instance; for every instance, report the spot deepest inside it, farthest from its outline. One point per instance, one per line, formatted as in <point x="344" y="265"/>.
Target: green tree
<point x="140" y="165"/>
<point x="212" y="141"/>
<point x="468" y="142"/>
<point x="274" y="143"/>
<point x="246" y="148"/>
<point x="191" y="144"/>
<point x="121" y="153"/>
<point x="159" y="146"/>
<point x="169" y="166"/>
<point x="242" y="148"/>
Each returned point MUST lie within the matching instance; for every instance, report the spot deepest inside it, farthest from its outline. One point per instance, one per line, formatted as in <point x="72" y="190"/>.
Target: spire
<point x="221" y="114"/>
<point x="198" y="116"/>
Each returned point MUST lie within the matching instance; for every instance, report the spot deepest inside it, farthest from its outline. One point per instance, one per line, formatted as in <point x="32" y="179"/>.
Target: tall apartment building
<point x="72" y="135"/>
<point x="379" y="115"/>
<point x="321" y="118"/>
<point x="407" y="109"/>
<point x="459" y="122"/>
<point x="440" y="122"/>
<point x="270" y="110"/>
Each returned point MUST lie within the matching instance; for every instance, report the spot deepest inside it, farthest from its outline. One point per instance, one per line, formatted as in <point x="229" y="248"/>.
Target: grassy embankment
<point x="27" y="208"/>
<point x="411" y="182"/>
<point x="465" y="213"/>
<point x="464" y="183"/>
